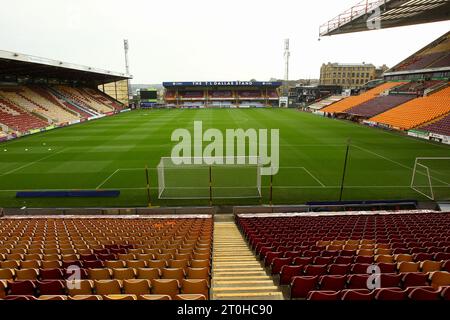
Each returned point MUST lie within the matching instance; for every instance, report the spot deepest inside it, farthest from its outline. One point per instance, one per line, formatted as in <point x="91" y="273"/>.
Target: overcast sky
<point x="187" y="40"/>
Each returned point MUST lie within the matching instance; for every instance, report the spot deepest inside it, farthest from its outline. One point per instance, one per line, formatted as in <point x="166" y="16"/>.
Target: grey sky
<point x="186" y="40"/>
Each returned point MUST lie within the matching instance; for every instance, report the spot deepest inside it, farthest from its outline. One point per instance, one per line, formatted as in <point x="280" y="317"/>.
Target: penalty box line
<point x="112" y="174"/>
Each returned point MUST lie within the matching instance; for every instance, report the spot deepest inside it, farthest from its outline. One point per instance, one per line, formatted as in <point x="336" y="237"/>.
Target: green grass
<point x="312" y="150"/>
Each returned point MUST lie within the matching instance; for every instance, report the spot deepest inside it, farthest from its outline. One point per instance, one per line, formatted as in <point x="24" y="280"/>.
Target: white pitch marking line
<point x="307" y="171"/>
<point x="117" y="170"/>
<point x="109" y="177"/>
<point x="31" y="163"/>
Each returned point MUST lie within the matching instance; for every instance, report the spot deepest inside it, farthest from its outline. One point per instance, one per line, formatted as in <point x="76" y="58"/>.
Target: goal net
<point x="431" y="177"/>
<point x="202" y="178"/>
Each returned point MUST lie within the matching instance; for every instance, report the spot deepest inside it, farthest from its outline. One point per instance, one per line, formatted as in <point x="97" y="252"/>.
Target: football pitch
<point x="111" y="153"/>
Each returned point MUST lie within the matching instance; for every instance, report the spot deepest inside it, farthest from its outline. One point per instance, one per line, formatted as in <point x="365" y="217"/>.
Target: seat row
<point x="195" y="254"/>
<point x="301" y="286"/>
<point x="171" y="287"/>
<point x="106" y="273"/>
<point x="390" y="294"/>
<point x="421" y="260"/>
<point x="113" y="297"/>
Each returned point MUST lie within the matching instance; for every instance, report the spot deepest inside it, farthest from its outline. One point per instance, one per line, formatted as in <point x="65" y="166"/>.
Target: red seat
<point x="51" y="287"/>
<point x="287" y="272"/>
<point x="386" y="267"/>
<point x="360" y="268"/>
<point x="52" y="274"/>
<point x="270" y="256"/>
<point x="390" y="294"/>
<point x="415" y="279"/>
<point x="93" y="264"/>
<point x="303" y="261"/>
<point x="315" y="270"/>
<point x="343" y="260"/>
<point x="323" y="260"/>
<point x="445" y="293"/>
<point x="278" y="263"/>
<point x="302" y="285"/>
<point x="293" y="254"/>
<point x="390" y="280"/>
<point x="20" y="297"/>
<point x="424" y="294"/>
<point x="339" y="269"/>
<point x="356" y="294"/>
<point x="22" y="288"/>
<point x="332" y="282"/>
<point x="323" y="295"/>
<point x="358" y="281"/>
<point x="364" y="259"/>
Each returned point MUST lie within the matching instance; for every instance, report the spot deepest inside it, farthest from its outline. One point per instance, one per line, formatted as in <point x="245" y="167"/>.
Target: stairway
<point x="236" y="273"/>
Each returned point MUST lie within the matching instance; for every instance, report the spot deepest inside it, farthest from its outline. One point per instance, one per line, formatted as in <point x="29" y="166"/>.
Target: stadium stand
<point x="333" y="254"/>
<point x="440" y="126"/>
<point x="417" y="87"/>
<point x="435" y="55"/>
<point x="416" y="112"/>
<point x="41" y="257"/>
<point x="25" y="98"/>
<point x="18" y="119"/>
<point x="379" y="104"/>
<point x="326" y="102"/>
<point x="27" y="107"/>
<point x="253" y="94"/>
<point x="354" y="101"/>
<point x="221" y="94"/>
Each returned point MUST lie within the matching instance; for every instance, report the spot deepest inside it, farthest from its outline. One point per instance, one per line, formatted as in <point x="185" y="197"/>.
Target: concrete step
<point x="243" y="277"/>
<point x="233" y="283"/>
<point x="273" y="295"/>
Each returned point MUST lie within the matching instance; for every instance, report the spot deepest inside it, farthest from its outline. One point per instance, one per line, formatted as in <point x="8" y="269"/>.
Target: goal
<point x="209" y="178"/>
<point x="431" y="177"/>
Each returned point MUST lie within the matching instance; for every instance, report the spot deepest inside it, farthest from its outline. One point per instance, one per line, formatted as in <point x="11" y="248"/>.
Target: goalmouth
<point x="236" y="177"/>
<point x="431" y="177"/>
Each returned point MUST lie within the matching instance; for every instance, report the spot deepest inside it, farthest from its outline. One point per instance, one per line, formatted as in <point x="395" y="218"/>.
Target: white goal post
<point x="431" y="177"/>
<point x="209" y="177"/>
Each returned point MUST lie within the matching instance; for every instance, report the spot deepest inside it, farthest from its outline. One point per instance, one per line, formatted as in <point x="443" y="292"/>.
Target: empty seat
<point x="278" y="263"/>
<point x="195" y="286"/>
<point x="358" y="281"/>
<point x="51" y="274"/>
<point x="51" y="287"/>
<point x="424" y="294"/>
<point x="6" y="274"/>
<point x="123" y="273"/>
<point x="440" y="279"/>
<point x="173" y="273"/>
<point x="104" y="287"/>
<point x="430" y="266"/>
<point x="414" y="279"/>
<point x="323" y="295"/>
<point x="390" y="280"/>
<point x="136" y="286"/>
<point x="119" y="297"/>
<point x="27" y="274"/>
<point x="79" y="287"/>
<point x="22" y="288"/>
<point x="302" y="285"/>
<point x="407" y="266"/>
<point x="390" y="294"/>
<point x="339" y="269"/>
<point x="99" y="274"/>
<point x="154" y="297"/>
<point x="288" y="272"/>
<point x="148" y="273"/>
<point x="332" y="282"/>
<point x="315" y="270"/>
<point x="168" y="287"/>
<point x="356" y="294"/>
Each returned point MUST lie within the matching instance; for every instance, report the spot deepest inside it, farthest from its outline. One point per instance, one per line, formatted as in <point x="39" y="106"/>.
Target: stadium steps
<point x="236" y="273"/>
